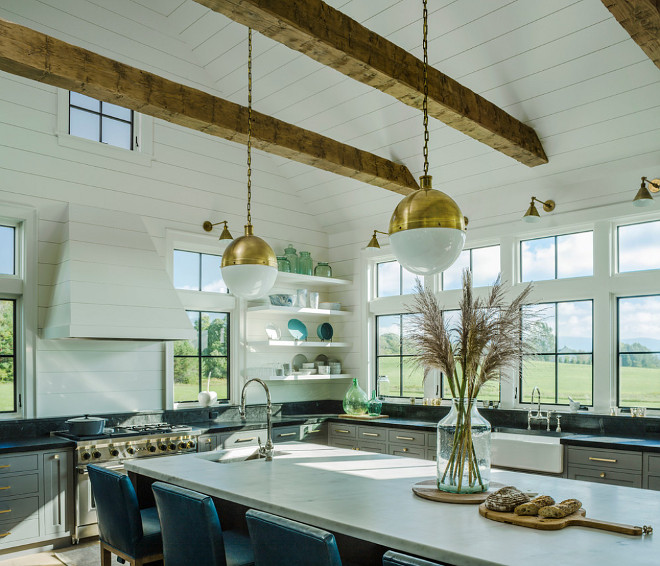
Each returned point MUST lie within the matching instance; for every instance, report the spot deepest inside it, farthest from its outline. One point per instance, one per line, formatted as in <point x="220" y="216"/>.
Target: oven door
<point x="86" y="521"/>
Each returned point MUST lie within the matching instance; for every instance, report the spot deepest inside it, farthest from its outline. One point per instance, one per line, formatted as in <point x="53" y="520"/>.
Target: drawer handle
<point x="6" y="466"/>
<point x="287" y="434"/>
<point x="3" y="535"/>
<point x="405" y="438"/>
<point x="602" y="474"/>
<point x="5" y="511"/>
<point x="208" y="441"/>
<point x="313" y="431"/>
<point x="246" y="439"/>
<point x="611" y="460"/>
<point x="370" y="434"/>
<point x="6" y="487"/>
<point x="342" y="431"/>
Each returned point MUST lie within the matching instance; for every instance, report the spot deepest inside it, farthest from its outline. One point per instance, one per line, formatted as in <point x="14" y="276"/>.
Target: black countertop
<point x="613" y="442"/>
<point x="40" y="443"/>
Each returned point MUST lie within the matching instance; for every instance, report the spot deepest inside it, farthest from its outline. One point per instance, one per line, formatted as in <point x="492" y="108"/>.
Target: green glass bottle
<point x="292" y="256"/>
<point x="305" y="264"/>
<point x="322" y="269"/>
<point x="375" y="405"/>
<point x="355" y="400"/>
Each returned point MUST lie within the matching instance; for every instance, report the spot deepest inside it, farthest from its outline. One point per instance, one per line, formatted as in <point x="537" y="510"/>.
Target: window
<point x="638" y="351"/>
<point x="204" y="361"/>
<point x="198" y="272"/>
<point x="483" y="262"/>
<point x="7" y="250"/>
<point x="100" y="121"/>
<point x="562" y="362"/>
<point x="638" y="246"/>
<point x="7" y="355"/>
<point x="393" y="280"/>
<point x="394" y="356"/>
<point x="557" y="257"/>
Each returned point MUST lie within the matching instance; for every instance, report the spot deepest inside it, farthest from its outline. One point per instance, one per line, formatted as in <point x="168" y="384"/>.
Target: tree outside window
<point x="7" y="355"/>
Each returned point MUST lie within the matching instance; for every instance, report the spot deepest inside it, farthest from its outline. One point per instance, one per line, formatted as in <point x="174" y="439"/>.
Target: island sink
<point x="234" y="455"/>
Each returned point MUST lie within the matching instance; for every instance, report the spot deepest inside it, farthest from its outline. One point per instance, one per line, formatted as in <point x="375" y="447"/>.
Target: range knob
<point x="114" y="452"/>
<point x="86" y="456"/>
<point x="172" y="446"/>
<point x="182" y="445"/>
<point x="163" y="447"/>
<point x="130" y="449"/>
<point x="96" y="454"/>
<point x="190" y="444"/>
<point x="151" y="448"/>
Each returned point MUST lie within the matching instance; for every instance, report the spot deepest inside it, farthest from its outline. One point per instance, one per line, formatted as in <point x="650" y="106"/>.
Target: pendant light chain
<point x="249" y="129"/>
<point x="425" y="107"/>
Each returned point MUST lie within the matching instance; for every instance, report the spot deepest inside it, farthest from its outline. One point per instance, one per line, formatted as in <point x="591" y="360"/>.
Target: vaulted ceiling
<point x="565" y="68"/>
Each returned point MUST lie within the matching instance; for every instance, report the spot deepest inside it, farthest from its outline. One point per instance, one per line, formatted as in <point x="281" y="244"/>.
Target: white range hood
<point x="110" y="282"/>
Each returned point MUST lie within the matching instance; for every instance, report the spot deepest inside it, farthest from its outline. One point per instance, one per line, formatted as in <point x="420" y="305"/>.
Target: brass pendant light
<point x="427" y="228"/>
<point x="249" y="264"/>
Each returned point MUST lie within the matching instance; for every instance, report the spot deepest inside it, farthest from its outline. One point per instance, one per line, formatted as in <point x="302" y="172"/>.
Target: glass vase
<point x="292" y="256"/>
<point x="305" y="264"/>
<point x="463" y="454"/>
<point x="283" y="264"/>
<point x="375" y="405"/>
<point x="355" y="400"/>
<point x="323" y="269"/>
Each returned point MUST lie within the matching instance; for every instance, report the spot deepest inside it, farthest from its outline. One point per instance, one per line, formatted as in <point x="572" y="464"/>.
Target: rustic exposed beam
<point x="332" y="38"/>
<point x="641" y="19"/>
<point x="28" y="53"/>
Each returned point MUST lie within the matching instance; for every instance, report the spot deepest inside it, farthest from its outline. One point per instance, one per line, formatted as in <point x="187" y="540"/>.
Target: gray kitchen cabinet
<point x="407" y="451"/>
<point x="286" y="433"/>
<point x="406" y="437"/>
<point x="341" y="431"/>
<point x="242" y="438"/>
<point x="316" y="433"/>
<point x="615" y="467"/>
<point x="58" y="490"/>
<point x="207" y="442"/>
<point x="652" y="471"/>
<point x="381" y="440"/>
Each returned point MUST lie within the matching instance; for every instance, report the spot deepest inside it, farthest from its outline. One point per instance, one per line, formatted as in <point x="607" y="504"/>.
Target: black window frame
<point x="200" y="273"/>
<point x="200" y="357"/>
<point x="12" y="356"/>
<point x="554" y="237"/>
<point x="618" y="248"/>
<point x="400" y="356"/>
<point x="555" y="354"/>
<point x="442" y="278"/>
<point x="618" y="345"/>
<point x="102" y="115"/>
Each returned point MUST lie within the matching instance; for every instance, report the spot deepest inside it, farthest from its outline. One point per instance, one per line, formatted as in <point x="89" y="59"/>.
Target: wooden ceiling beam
<point x="332" y="38"/>
<point x="34" y="55"/>
<point x="641" y="19"/>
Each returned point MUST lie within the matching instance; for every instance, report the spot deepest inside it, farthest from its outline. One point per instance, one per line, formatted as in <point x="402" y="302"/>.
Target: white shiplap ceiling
<point x="564" y="67"/>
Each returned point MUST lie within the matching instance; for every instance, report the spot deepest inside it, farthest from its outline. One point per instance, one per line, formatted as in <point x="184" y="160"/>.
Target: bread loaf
<point x="505" y="499"/>
<point x="532" y="508"/>
<point x="560" y="510"/>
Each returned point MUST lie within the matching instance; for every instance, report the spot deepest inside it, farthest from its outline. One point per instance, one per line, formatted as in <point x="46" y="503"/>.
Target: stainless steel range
<point x="110" y="450"/>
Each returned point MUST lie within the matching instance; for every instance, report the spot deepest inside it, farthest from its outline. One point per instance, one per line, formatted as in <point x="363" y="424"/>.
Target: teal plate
<point x="325" y="331"/>
<point x="297" y="329"/>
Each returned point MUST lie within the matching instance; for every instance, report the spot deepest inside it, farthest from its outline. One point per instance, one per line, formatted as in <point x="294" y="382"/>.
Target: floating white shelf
<point x="312" y="280"/>
<point x="298" y="344"/>
<point x="307" y="377"/>
<point x="296" y="310"/>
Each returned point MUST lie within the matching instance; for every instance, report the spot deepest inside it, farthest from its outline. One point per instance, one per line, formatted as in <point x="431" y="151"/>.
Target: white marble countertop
<point x="368" y="496"/>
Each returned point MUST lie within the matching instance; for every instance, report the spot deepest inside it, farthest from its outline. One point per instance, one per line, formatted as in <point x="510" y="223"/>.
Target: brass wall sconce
<point x="532" y="214"/>
<point x="373" y="243"/>
<point x="225" y="237"/>
<point x="644" y="196"/>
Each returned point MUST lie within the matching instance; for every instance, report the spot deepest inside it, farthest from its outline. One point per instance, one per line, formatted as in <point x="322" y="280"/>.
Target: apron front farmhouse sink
<point x="534" y="452"/>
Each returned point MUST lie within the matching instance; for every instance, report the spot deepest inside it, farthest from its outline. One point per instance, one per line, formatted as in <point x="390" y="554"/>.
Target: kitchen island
<point x="368" y="497"/>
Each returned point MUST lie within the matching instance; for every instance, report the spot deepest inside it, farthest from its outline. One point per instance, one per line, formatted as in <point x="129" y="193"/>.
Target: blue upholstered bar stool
<point x="192" y="534"/>
<point x="125" y="530"/>
<point x="391" y="558"/>
<point x="283" y="542"/>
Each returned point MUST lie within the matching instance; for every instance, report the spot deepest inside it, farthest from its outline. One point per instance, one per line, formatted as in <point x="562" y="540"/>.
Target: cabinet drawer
<point x="653" y="464"/>
<point x="11" y="464"/>
<point x="372" y="433"/>
<point x="286" y="433"/>
<point x="610" y="459"/>
<point x="243" y="438"/>
<point x="408" y="451"/>
<point x="376" y="447"/>
<point x="343" y="430"/>
<point x="432" y="440"/>
<point x="342" y="443"/>
<point x="18" y="508"/>
<point x="406" y="437"/>
<point x="317" y="433"/>
<point x="11" y="533"/>
<point x="19" y="485"/>
<point x="605" y="475"/>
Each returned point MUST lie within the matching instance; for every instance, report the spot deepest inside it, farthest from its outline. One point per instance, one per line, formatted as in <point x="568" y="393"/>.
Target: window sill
<point x="104" y="150"/>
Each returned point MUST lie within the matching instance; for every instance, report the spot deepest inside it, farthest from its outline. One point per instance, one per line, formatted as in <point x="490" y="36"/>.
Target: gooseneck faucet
<point x="539" y="416"/>
<point x="267" y="450"/>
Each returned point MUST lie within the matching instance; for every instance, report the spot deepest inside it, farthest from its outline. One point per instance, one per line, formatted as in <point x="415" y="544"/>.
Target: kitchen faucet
<point x="267" y="450"/>
<point x="539" y="416"/>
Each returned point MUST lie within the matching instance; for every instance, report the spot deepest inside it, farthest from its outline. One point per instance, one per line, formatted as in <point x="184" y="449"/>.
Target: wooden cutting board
<point x="576" y="519"/>
<point x="428" y="489"/>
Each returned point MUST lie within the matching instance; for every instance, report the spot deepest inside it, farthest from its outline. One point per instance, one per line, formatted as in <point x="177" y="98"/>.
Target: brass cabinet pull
<point x="3" y="535"/>
<point x="208" y="441"/>
<point x="405" y="438"/>
<point x="602" y="474"/>
<point x="370" y="434"/>
<point x="602" y="460"/>
<point x="246" y="439"/>
<point x="313" y="431"/>
<point x="342" y="431"/>
<point x="287" y="434"/>
<point x="5" y="511"/>
<point x="6" y="487"/>
<point x="405" y="450"/>
<point x="6" y="466"/>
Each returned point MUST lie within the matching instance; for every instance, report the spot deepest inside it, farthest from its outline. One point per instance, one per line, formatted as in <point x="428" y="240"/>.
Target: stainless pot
<point x="86" y="426"/>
